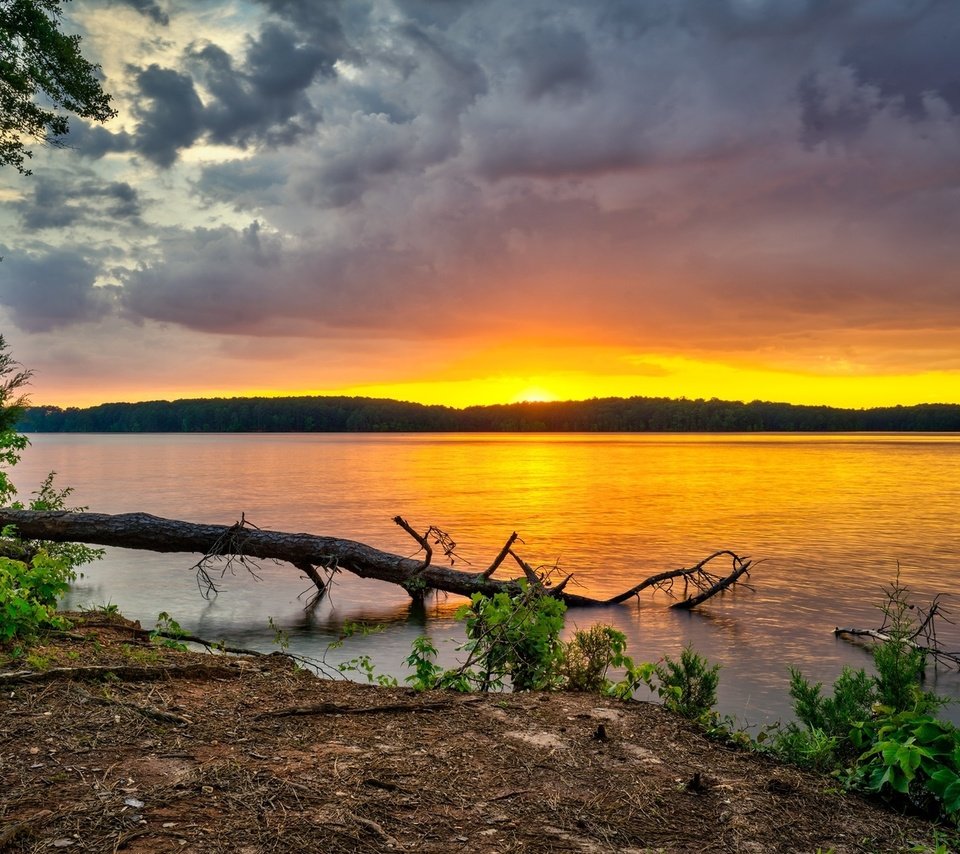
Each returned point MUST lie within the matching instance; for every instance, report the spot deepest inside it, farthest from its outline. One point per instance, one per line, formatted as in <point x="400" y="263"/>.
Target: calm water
<point x="830" y="515"/>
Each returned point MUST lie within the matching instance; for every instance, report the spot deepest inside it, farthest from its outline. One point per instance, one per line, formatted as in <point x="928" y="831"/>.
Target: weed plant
<point x="880" y="734"/>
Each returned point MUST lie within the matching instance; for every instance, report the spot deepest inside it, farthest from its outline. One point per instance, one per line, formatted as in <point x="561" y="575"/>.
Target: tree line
<point x="371" y="415"/>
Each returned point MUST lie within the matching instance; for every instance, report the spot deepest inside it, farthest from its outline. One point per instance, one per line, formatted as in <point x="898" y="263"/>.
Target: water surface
<point x="829" y="515"/>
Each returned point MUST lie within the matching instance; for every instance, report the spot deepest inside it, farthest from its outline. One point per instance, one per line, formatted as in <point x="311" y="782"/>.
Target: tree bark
<point x="242" y="541"/>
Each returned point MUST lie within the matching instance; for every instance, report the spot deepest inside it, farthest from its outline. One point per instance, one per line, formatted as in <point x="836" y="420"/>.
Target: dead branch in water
<point x="922" y="628"/>
<point x="243" y="544"/>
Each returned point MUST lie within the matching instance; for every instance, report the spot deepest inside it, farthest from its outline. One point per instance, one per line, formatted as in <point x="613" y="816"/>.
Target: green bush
<point x="807" y="748"/>
<point x="33" y="574"/>
<point x="426" y="673"/>
<point x="878" y="734"/>
<point x="688" y="686"/>
<point x="909" y="756"/>
<point x="29" y="594"/>
<point x="511" y="637"/>
<point x="854" y="694"/>
<point x="589" y="654"/>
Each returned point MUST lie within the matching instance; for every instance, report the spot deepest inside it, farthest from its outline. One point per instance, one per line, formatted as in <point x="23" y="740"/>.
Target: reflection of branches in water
<point x="321" y="577"/>
<point x="724" y="623"/>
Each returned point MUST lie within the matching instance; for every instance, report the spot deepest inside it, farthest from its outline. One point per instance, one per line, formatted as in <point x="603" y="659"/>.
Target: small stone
<point x="133" y="802"/>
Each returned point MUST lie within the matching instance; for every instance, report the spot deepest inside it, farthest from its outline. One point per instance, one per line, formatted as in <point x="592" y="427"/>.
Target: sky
<point x="477" y="201"/>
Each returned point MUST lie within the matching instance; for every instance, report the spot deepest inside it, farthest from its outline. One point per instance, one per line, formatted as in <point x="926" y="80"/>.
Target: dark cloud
<point x="264" y="101"/>
<point x="463" y="78"/>
<point x="209" y="279"/>
<point x="48" y="207"/>
<point x="124" y="201"/>
<point x="765" y="19"/>
<point x="243" y="183"/>
<point x="52" y="290"/>
<point x="320" y="20"/>
<point x="246" y="281"/>
<point x="832" y="113"/>
<point x="553" y="62"/>
<point x="150" y="8"/>
<point x="914" y="56"/>
<point x="170" y="114"/>
<point x="94" y="141"/>
<point x="63" y="201"/>
<point x="442" y="13"/>
<point x="345" y="175"/>
<point x="629" y="21"/>
<point x="260" y="101"/>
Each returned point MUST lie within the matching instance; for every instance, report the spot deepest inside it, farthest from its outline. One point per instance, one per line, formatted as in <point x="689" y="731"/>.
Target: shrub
<point x="910" y="756"/>
<point x="28" y="594"/>
<point x="426" y="673"/>
<point x="900" y="665"/>
<point x="807" y="748"/>
<point x="589" y="654"/>
<point x="513" y="637"/>
<point x="881" y="727"/>
<point x="854" y="694"/>
<point x="33" y="574"/>
<point x="688" y="686"/>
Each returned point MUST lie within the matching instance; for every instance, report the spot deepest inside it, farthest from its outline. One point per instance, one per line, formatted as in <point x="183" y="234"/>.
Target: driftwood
<point x="319" y="557"/>
<point x="940" y="656"/>
<point x="909" y="623"/>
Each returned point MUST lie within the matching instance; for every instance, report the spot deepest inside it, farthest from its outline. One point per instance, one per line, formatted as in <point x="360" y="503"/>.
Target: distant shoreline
<point x="372" y="415"/>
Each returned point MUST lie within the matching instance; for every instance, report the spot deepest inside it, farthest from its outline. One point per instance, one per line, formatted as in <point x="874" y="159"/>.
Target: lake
<point x="830" y="516"/>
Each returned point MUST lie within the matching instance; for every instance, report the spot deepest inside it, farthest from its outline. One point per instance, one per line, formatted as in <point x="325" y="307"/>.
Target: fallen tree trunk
<point x="318" y="556"/>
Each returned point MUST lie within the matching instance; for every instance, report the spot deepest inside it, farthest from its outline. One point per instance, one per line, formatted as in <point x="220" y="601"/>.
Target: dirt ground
<point x="115" y="744"/>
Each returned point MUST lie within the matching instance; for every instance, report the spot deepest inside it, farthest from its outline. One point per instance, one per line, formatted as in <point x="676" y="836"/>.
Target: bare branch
<point x="423" y="541"/>
<point x="501" y="557"/>
<point x="936" y="653"/>
<point x="534" y="579"/>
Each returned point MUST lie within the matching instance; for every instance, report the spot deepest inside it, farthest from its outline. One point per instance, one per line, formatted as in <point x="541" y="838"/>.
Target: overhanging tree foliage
<point x="43" y="76"/>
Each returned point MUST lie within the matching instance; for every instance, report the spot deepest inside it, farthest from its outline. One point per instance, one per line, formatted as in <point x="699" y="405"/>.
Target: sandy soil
<point x="118" y="745"/>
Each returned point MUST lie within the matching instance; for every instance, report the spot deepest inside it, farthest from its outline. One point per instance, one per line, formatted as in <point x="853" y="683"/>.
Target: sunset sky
<point x="473" y="202"/>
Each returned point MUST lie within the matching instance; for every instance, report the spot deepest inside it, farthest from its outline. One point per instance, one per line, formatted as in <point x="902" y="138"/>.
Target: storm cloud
<point x="726" y="172"/>
<point x="52" y="290"/>
<point x="55" y="203"/>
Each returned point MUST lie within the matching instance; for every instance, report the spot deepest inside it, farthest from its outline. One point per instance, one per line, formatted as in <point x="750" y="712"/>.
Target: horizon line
<point x="515" y="403"/>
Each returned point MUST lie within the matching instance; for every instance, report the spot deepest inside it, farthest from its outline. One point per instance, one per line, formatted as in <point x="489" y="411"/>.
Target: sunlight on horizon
<point x="678" y="378"/>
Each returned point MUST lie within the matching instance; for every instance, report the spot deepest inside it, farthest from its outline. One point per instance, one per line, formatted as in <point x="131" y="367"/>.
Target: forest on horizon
<point x="370" y="415"/>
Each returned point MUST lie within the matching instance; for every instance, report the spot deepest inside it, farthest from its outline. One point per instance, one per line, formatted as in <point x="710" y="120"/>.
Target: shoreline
<point x="181" y="751"/>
